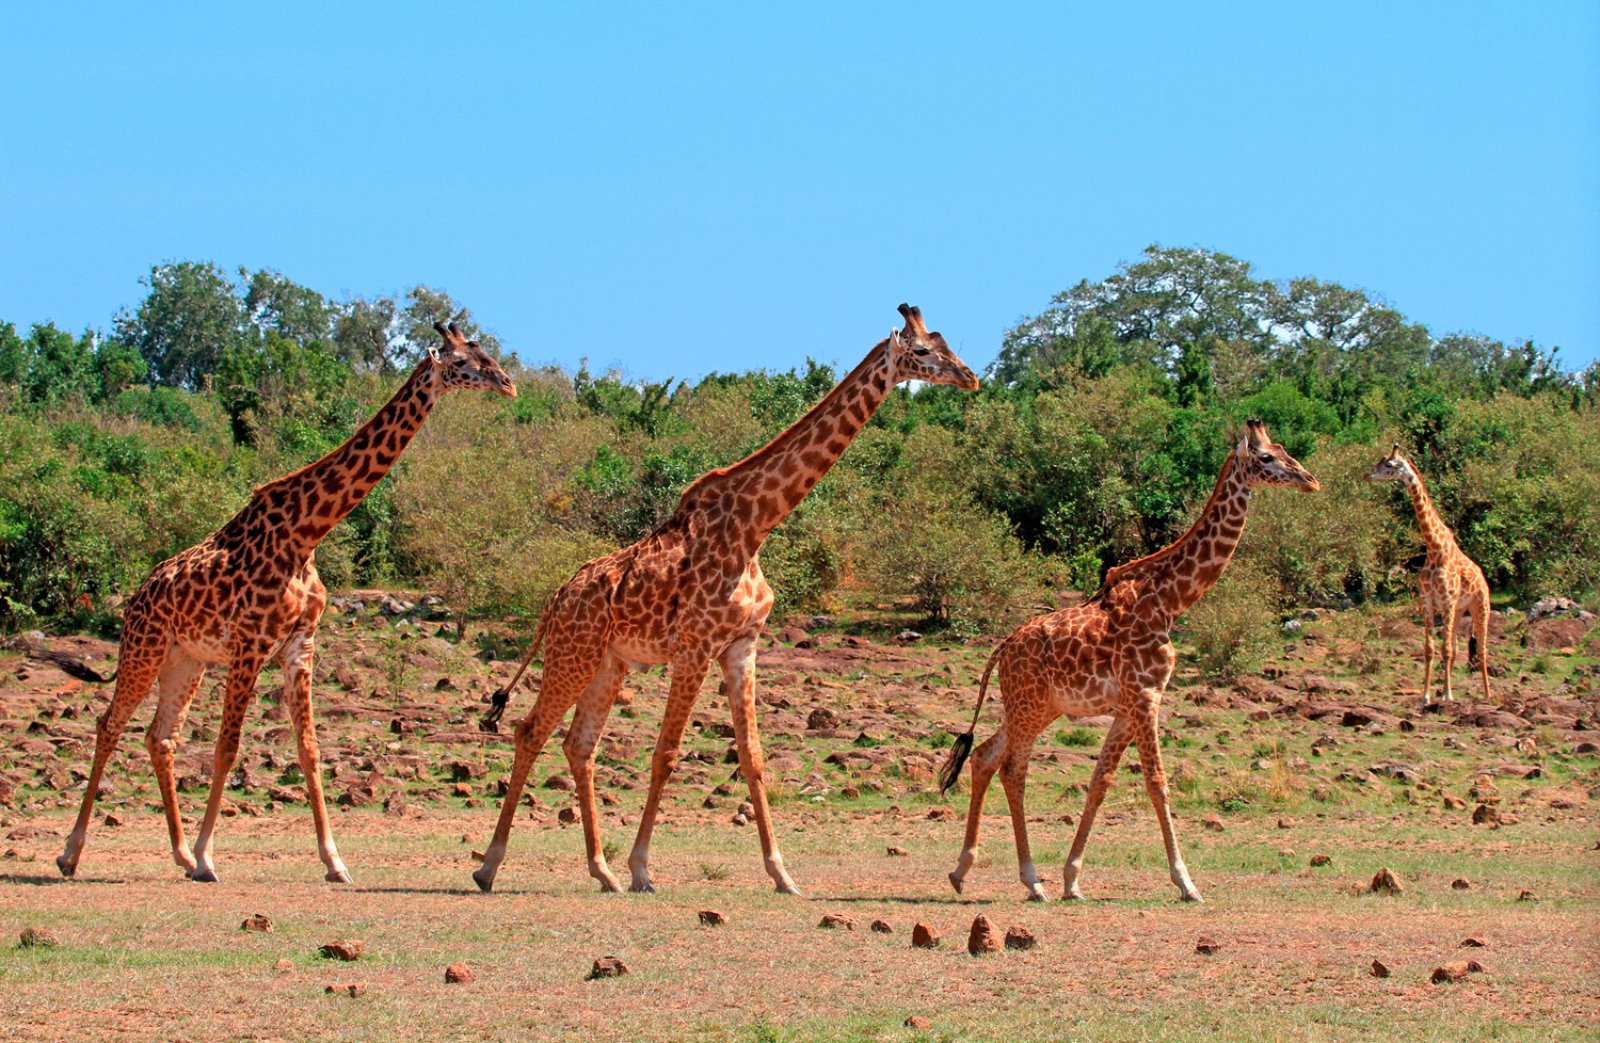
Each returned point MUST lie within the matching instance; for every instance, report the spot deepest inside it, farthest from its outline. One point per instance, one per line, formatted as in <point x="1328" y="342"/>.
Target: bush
<point x="1232" y="626"/>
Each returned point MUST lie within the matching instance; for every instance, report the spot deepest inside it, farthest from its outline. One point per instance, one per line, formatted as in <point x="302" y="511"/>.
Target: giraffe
<point x="691" y="592"/>
<point x="1450" y="583"/>
<point x="250" y="592"/>
<point x="1111" y="654"/>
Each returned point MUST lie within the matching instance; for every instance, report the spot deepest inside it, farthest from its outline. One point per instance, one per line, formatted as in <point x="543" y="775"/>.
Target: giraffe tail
<point x="501" y="698"/>
<point x="951" y="772"/>
<point x="72" y="667"/>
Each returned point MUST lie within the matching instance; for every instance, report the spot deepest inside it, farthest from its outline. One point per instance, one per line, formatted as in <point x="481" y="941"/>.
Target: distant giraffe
<point x="690" y="592"/>
<point x="250" y="592"/>
<point x="1449" y="584"/>
<point x="1111" y="654"/>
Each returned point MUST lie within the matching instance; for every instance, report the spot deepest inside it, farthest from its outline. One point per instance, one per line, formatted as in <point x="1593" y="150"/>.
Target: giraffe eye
<point x="920" y="351"/>
<point x="1266" y="458"/>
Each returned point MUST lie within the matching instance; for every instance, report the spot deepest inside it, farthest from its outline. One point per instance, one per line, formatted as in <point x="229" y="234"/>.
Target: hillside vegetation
<point x="1098" y="432"/>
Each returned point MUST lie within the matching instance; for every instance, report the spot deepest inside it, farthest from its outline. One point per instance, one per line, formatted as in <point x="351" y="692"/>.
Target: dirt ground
<point x="1293" y="786"/>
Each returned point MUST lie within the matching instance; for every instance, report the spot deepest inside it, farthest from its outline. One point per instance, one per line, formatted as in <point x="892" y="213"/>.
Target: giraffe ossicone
<point x="249" y="593"/>
<point x="690" y="593"/>
<point x="1111" y="654"/>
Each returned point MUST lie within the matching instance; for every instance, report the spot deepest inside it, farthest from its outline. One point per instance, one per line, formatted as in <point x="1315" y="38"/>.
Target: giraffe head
<point x="461" y="364"/>
<point x="1264" y="462"/>
<point x="917" y="354"/>
<point x="1394" y="466"/>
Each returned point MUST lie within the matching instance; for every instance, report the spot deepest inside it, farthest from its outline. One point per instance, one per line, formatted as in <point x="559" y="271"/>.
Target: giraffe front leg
<point x="587" y="723"/>
<point x="1155" y="783"/>
<point x="1427" y="657"/>
<point x="985" y="760"/>
<point x="739" y="669"/>
<point x="1447" y="656"/>
<point x="240" y="692"/>
<point x="180" y="677"/>
<point x="1105" y="772"/>
<point x="298" y="653"/>
<point x="688" y="674"/>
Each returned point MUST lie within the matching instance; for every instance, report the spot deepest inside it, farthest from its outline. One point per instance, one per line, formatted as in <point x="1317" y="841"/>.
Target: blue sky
<point x="675" y="189"/>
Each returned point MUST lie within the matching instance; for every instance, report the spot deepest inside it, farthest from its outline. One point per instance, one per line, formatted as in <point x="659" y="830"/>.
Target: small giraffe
<point x="1450" y="583"/>
<point x="1112" y="654"/>
<point x="691" y="592"/>
<point x="250" y="592"/>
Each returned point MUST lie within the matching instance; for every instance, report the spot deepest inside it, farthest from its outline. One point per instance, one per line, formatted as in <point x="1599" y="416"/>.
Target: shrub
<point x="1232" y="626"/>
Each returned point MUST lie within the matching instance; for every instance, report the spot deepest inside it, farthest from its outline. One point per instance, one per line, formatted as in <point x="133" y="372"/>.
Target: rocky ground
<point x="1294" y="785"/>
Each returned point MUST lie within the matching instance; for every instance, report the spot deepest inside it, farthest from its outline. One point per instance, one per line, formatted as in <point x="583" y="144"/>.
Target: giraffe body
<point x="1449" y="584"/>
<point x="1113" y="655"/>
<point x="689" y="594"/>
<point x="249" y="593"/>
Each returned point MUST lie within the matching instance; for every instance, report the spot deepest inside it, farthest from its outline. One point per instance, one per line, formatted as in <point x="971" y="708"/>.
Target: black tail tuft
<point x="951" y="772"/>
<point x="72" y="667"/>
<point x="1472" y="651"/>
<point x="491" y="720"/>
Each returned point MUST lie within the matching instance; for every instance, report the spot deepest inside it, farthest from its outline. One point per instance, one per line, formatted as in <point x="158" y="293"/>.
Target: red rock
<point x="284" y="967"/>
<point x="257" y="922"/>
<point x="1379" y="969"/>
<point x="459" y="974"/>
<point x="1471" y="942"/>
<point x="918" y="1022"/>
<point x="563" y="783"/>
<point x="461" y="789"/>
<point x="113" y="819"/>
<point x="1454" y="803"/>
<point x="898" y="852"/>
<point x="346" y="951"/>
<point x="924" y="937"/>
<point x="1484" y="814"/>
<point x="984" y="937"/>
<point x="1020" y="938"/>
<point x="942" y="815"/>
<point x="567" y="816"/>
<point x="36" y="938"/>
<point x="1527" y="896"/>
<point x="834" y="921"/>
<point x="1455" y="970"/>
<point x="608" y="967"/>
<point x="1207" y="946"/>
<point x="1385" y="882"/>
<point x="712" y="918"/>
<point x="355" y="988"/>
<point x="1460" y="883"/>
<point x="1321" y="860"/>
<point x="1213" y="823"/>
<point x="1286" y="823"/>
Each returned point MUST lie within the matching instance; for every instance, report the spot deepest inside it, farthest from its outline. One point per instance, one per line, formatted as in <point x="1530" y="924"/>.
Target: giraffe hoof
<point x="1194" y="896"/>
<point x="1074" y="896"/>
<point x="1037" y="896"/>
<point x="642" y="888"/>
<point x="203" y="876"/>
<point x="68" y="869"/>
<point x="789" y="889"/>
<point x="337" y="876"/>
<point x="485" y="881"/>
<point x="955" y="882"/>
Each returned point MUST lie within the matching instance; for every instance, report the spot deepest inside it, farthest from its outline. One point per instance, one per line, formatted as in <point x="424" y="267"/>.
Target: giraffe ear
<point x="433" y="353"/>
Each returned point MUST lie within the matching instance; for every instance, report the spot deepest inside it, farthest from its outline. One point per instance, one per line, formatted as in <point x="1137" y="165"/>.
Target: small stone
<point x="561" y="783"/>
<point x="567" y="816"/>
<point x="1020" y="938"/>
<point x="113" y="819"/>
<point x="1321" y="860"/>
<point x="355" y="988"/>
<point x="918" y="1022"/>
<point x="1485" y="814"/>
<point x="461" y="789"/>
<point x="882" y="927"/>
<point x="1286" y="823"/>
<point x="1385" y="882"/>
<point x="1455" y="970"/>
<point x="1472" y="942"/>
<point x="283" y="967"/>
<point x="1379" y="969"/>
<point x="1527" y="896"/>
<point x="712" y="918"/>
<point x="1213" y="823"/>
<point x="740" y="820"/>
<point x="459" y="974"/>
<point x="346" y="951"/>
<point x="257" y="922"/>
<point x="984" y="937"/>
<point x="1454" y="803"/>
<point x="607" y="967"/>
<point x="898" y="852"/>
<point x="1460" y="883"/>
<point x="36" y="938"/>
<point x="924" y="937"/>
<point x="835" y="921"/>
<point x="478" y="856"/>
<point x="1207" y="946"/>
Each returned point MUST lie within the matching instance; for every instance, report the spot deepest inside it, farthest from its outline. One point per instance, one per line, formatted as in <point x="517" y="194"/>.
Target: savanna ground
<point x="1322" y="751"/>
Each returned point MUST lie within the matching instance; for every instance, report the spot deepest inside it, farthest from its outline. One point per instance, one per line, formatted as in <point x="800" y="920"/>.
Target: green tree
<point x="190" y="317"/>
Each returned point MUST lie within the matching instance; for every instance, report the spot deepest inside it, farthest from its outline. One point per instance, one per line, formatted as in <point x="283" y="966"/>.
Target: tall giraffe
<point x="1112" y="654"/>
<point x="1449" y="584"/>
<point x="250" y="592"/>
<point x="690" y="592"/>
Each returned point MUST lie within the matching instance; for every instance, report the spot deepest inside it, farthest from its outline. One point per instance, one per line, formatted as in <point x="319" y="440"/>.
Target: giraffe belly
<point x="1088" y="697"/>
<point x="639" y="654"/>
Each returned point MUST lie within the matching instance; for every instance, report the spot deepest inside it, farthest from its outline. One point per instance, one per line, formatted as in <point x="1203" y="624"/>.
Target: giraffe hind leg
<point x="986" y="760"/>
<point x="181" y="675"/>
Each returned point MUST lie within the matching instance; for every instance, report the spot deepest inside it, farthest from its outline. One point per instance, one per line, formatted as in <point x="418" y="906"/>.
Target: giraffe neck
<point x="318" y="496"/>
<point x="759" y="491"/>
<point x="1434" y="531"/>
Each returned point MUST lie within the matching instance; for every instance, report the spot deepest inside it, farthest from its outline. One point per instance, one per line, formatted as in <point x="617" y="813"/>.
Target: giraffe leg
<point x="985" y="760"/>
<point x="180" y="677"/>
<point x="1447" y="657"/>
<point x="588" y="721"/>
<point x="1014" y="777"/>
<point x="140" y="662"/>
<point x="1155" y="784"/>
<point x="1480" y="634"/>
<point x="738" y="663"/>
<point x="1105" y="772"/>
<point x="688" y="674"/>
<point x="240" y="692"/>
<point x="1427" y="657"/>
<point x="298" y="653"/>
<point x="566" y="676"/>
